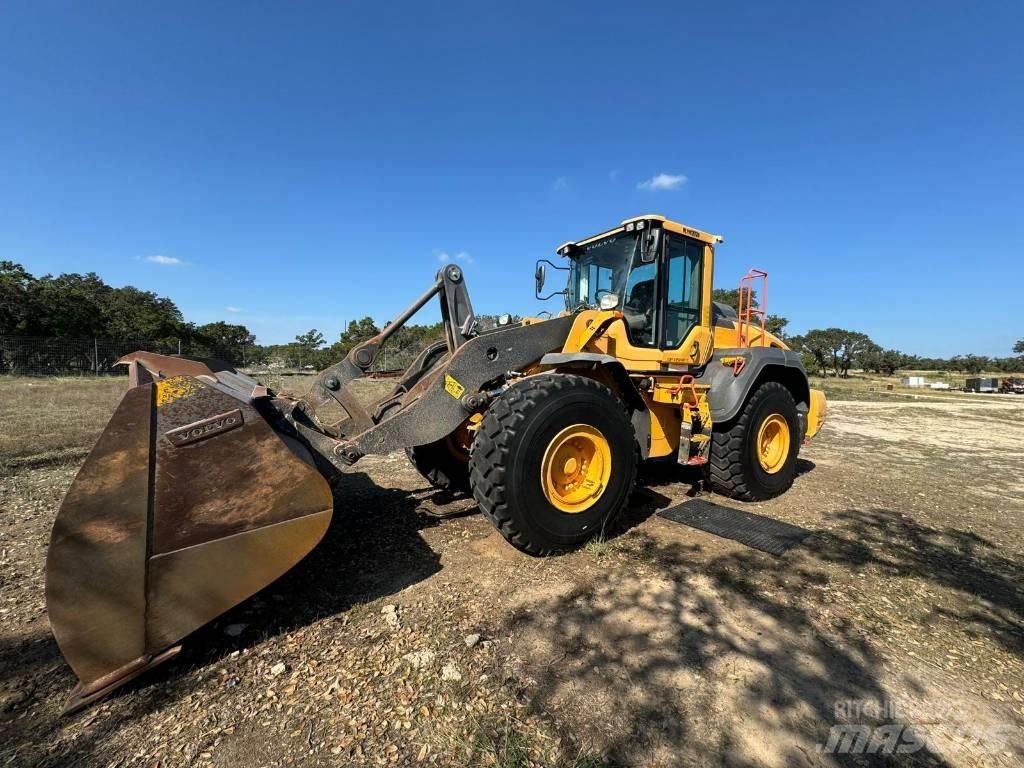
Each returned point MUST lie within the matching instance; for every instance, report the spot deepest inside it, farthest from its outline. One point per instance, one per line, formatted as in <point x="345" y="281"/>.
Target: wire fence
<point x="398" y="354"/>
<point x="43" y="356"/>
<point x="48" y="356"/>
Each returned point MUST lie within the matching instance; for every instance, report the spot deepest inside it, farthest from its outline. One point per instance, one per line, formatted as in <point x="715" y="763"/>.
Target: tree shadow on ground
<point x="899" y="548"/>
<point x="372" y="549"/>
<point x="681" y="659"/>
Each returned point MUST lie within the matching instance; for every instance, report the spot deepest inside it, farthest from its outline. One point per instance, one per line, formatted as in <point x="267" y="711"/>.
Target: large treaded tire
<point x="505" y="461"/>
<point x="734" y="469"/>
<point x="439" y="467"/>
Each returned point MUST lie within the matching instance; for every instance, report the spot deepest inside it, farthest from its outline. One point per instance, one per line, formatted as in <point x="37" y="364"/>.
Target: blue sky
<point x="307" y="163"/>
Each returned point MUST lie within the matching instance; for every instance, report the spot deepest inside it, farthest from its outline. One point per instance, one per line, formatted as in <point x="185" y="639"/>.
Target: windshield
<point x="600" y="267"/>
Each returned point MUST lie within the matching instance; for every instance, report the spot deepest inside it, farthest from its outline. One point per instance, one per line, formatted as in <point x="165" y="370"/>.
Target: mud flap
<point x="188" y="504"/>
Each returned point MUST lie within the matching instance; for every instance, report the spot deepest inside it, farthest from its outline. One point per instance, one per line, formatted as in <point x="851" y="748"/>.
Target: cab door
<point x="685" y="328"/>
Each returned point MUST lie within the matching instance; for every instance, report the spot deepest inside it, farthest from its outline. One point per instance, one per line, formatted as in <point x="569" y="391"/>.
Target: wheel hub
<point x="576" y="468"/>
<point x="773" y="443"/>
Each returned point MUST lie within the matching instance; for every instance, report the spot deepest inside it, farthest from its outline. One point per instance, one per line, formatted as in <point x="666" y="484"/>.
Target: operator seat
<point x="639" y="311"/>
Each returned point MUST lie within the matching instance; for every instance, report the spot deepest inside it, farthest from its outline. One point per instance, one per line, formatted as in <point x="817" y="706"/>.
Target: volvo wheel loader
<point x="207" y="486"/>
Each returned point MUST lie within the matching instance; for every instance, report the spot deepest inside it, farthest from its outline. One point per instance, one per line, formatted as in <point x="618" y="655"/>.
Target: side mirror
<point x="540" y="275"/>
<point x="651" y="246"/>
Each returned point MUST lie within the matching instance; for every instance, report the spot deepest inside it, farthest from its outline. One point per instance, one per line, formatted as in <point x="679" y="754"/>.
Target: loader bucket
<point x="189" y="503"/>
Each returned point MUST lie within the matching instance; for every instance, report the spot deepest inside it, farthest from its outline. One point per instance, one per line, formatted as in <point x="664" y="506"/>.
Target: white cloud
<point x="613" y="174"/>
<point x="169" y="261"/>
<point x="232" y="309"/>
<point x="444" y="257"/>
<point x="562" y="182"/>
<point x="663" y="181"/>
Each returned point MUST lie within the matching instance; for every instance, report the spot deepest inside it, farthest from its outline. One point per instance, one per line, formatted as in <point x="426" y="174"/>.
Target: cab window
<point x="594" y="280"/>
<point x="683" y="289"/>
<point x="640" y="304"/>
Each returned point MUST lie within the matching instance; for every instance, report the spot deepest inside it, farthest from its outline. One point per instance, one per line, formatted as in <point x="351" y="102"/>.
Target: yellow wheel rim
<point x="773" y="443"/>
<point x="575" y="469"/>
<point x="459" y="442"/>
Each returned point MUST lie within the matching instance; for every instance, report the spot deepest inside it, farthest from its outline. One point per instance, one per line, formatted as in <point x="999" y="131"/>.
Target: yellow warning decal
<point x="175" y="388"/>
<point x="452" y="387"/>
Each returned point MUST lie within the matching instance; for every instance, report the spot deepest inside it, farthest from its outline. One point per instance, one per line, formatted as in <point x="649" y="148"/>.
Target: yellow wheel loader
<point x="206" y="486"/>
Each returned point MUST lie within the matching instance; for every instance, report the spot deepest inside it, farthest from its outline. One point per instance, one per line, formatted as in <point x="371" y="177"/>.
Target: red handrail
<point x="746" y="309"/>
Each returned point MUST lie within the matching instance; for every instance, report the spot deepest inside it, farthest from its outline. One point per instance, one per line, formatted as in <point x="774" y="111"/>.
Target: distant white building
<point x="913" y="381"/>
<point x="939" y="385"/>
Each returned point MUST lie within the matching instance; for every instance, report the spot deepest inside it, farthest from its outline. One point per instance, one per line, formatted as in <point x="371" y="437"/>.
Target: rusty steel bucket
<point x="189" y="503"/>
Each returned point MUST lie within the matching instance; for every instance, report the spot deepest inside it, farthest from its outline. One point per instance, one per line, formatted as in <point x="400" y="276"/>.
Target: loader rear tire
<point x="739" y="467"/>
<point x="553" y="462"/>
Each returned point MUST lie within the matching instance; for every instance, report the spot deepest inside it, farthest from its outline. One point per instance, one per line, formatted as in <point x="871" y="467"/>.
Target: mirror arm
<point x="552" y="295"/>
<point x="540" y="284"/>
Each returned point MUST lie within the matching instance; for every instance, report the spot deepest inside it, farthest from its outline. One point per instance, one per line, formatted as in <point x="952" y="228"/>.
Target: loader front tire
<point x="442" y="464"/>
<point x="753" y="457"/>
<point x="553" y="462"/>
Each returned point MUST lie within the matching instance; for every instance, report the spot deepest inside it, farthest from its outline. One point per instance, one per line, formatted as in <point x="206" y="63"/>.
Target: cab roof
<point x="668" y="224"/>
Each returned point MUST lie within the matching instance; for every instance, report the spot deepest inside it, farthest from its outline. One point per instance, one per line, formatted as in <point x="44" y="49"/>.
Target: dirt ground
<point x="408" y="639"/>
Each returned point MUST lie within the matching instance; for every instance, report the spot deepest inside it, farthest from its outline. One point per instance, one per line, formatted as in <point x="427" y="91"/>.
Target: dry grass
<point x="662" y="646"/>
<point x="47" y="420"/>
<point x="293" y="383"/>
<point x="298" y="385"/>
<point x="874" y="387"/>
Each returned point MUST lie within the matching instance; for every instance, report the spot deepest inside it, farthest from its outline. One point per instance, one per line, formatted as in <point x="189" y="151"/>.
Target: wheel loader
<point x="206" y="486"/>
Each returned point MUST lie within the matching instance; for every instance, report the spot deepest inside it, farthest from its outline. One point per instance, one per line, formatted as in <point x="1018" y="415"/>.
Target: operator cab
<point x="649" y="268"/>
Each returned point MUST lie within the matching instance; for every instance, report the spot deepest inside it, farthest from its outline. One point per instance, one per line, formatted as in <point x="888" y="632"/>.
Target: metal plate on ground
<point x="755" y="531"/>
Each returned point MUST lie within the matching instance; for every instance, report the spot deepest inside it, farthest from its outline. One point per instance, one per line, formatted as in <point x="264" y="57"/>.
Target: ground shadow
<point x="372" y="549"/>
<point x="803" y="466"/>
<point x="648" y="653"/>
<point x="636" y="655"/>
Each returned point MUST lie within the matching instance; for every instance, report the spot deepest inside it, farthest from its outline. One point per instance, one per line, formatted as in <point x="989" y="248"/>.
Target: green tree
<point x="810" y="363"/>
<point x="870" y="358"/>
<point x="1018" y="348"/>
<point x="15" y="288"/>
<point x="892" y="361"/>
<point x="776" y="325"/>
<point x="358" y="331"/>
<point x="835" y="348"/>
<point x="355" y="333"/>
<point x="69" y="306"/>
<point x="853" y="343"/>
<point x="820" y="345"/>
<point x="223" y="340"/>
<point x="886" y="361"/>
<point x="311" y="340"/>
<point x="221" y="334"/>
<point x="730" y="296"/>
<point x="130" y="312"/>
<point x="306" y="351"/>
<point x="486" y="322"/>
<point x="970" y="363"/>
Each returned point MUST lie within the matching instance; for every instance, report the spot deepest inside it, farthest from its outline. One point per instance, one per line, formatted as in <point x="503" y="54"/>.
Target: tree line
<point x="77" y="306"/>
<point x="311" y="348"/>
<point x="836" y="351"/>
<point x="82" y="306"/>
